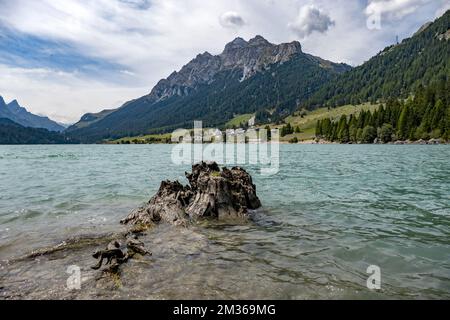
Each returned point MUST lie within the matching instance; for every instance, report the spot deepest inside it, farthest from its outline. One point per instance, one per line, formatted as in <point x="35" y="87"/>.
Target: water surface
<point x="330" y="212"/>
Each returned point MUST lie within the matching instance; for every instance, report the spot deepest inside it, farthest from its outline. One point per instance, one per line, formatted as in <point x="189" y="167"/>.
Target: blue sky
<point x="29" y="51"/>
<point x="66" y="58"/>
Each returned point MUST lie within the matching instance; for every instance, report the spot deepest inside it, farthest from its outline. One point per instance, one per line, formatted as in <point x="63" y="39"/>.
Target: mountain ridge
<point x="18" y="114"/>
<point x="252" y="56"/>
<point x="216" y="87"/>
<point x="396" y="71"/>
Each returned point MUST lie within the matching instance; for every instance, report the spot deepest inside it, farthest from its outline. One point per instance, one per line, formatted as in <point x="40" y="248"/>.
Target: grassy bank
<point x="307" y="121"/>
<point x="237" y="121"/>
<point x="147" y="139"/>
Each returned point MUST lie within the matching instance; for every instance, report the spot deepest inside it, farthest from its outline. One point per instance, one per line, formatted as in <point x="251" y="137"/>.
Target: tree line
<point x="13" y="133"/>
<point x="425" y="115"/>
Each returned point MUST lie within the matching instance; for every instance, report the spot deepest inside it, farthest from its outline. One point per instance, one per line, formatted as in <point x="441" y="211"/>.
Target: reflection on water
<point x="330" y="213"/>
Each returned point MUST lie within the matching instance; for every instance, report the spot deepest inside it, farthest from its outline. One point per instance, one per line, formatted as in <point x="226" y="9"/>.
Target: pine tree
<point x="402" y="131"/>
<point x="386" y="133"/>
<point x="369" y="134"/>
<point x="438" y="116"/>
<point x="319" y="129"/>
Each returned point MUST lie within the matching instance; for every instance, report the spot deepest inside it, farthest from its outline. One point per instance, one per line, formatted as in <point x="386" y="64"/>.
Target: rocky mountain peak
<point x="294" y="45"/>
<point x="259" y="41"/>
<point x="256" y="55"/>
<point x="237" y="43"/>
<point x="21" y="116"/>
<point x="250" y="57"/>
<point x="14" y="104"/>
<point x="15" y="107"/>
<point x="204" y="55"/>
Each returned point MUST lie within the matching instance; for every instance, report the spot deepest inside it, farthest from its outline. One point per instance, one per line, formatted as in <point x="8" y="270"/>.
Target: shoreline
<point x="304" y="142"/>
<point x="433" y="142"/>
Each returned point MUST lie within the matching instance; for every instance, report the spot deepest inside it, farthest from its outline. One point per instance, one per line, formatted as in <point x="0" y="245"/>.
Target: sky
<point x="65" y="58"/>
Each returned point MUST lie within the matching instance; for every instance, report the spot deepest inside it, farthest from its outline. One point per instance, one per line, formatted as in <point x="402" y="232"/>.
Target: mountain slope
<point x="90" y="118"/>
<point x="20" y="115"/>
<point x="13" y="133"/>
<point x="396" y="71"/>
<point x="425" y="115"/>
<point x="247" y="77"/>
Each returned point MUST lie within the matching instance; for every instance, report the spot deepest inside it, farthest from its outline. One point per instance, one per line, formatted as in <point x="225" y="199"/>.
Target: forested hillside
<point x="395" y="72"/>
<point x="13" y="133"/>
<point x="425" y="116"/>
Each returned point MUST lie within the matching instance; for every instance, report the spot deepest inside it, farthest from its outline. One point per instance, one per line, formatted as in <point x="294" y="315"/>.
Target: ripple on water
<point x="330" y="213"/>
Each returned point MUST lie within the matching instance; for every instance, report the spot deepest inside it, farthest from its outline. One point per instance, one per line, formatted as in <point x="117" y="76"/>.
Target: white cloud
<point x="231" y="19"/>
<point x="310" y="19"/>
<point x="149" y="39"/>
<point x="60" y="95"/>
<point x="393" y="9"/>
<point x="445" y="7"/>
<point x="119" y="31"/>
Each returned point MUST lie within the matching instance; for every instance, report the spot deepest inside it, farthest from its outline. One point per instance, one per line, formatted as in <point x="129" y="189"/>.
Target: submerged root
<point x="75" y="243"/>
<point x="222" y="194"/>
<point x="119" y="254"/>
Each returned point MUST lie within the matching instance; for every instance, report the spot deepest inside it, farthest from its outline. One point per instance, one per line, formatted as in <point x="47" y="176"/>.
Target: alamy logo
<point x="374" y="21"/>
<point x="236" y="146"/>
<point x="374" y="281"/>
<point x="74" y="281"/>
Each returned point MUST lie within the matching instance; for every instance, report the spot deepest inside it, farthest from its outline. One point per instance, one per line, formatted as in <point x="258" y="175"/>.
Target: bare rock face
<point x="211" y="193"/>
<point x="249" y="58"/>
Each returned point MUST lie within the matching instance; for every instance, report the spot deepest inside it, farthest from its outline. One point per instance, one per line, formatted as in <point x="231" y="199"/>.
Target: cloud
<point x="62" y="96"/>
<point x="66" y="58"/>
<point x="393" y="9"/>
<point x="310" y="19"/>
<point x="445" y="7"/>
<point x="138" y="4"/>
<point x="231" y="19"/>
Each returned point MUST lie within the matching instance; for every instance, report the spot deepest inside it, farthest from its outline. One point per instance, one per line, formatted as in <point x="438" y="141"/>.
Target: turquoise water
<point x="330" y="212"/>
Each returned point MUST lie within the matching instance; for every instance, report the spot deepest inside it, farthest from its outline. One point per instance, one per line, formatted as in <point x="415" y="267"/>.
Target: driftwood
<point x="211" y="193"/>
<point x="115" y="253"/>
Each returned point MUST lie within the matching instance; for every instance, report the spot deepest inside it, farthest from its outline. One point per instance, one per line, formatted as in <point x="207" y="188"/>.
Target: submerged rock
<point x="211" y="193"/>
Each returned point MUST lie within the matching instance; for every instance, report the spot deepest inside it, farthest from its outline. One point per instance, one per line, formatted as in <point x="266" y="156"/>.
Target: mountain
<point x="397" y="71"/>
<point x="20" y="115"/>
<point x="90" y="118"/>
<point x="247" y="77"/>
<point x="14" y="133"/>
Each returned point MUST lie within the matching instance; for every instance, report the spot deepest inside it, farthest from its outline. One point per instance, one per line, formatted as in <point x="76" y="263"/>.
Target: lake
<point x="330" y="213"/>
